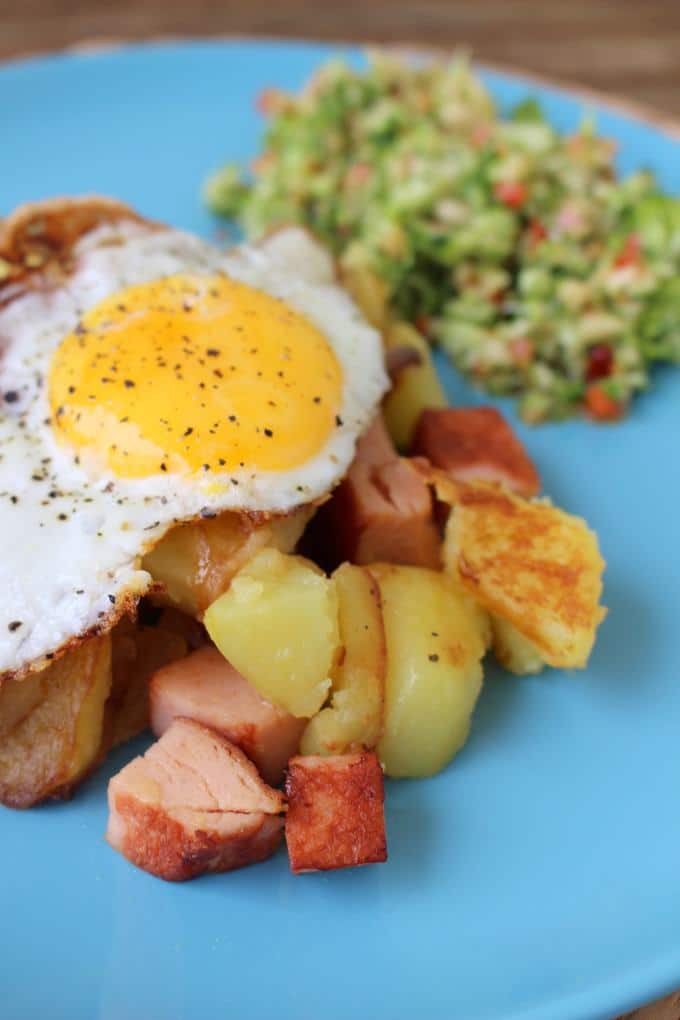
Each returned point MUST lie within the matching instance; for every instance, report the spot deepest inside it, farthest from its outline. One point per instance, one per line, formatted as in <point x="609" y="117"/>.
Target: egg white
<point x="71" y="541"/>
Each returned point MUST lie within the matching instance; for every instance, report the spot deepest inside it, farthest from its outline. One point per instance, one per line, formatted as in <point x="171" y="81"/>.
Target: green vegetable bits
<point x="517" y="249"/>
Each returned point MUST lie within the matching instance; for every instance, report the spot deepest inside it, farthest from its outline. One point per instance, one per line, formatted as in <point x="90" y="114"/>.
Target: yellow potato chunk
<point x="354" y="718"/>
<point x="416" y="386"/>
<point x="367" y="289"/>
<point x="435" y="644"/>
<point x="515" y="652"/>
<point x="530" y="565"/>
<point x="195" y="562"/>
<point x="52" y="728"/>
<point x="278" y="626"/>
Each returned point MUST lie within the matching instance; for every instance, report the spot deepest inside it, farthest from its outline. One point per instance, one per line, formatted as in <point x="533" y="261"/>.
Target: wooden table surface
<point x="626" y="47"/>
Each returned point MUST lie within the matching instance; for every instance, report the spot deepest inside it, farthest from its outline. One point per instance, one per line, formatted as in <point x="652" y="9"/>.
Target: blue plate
<point x="537" y="878"/>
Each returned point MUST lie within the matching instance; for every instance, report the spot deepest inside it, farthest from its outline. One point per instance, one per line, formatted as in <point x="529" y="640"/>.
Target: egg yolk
<point x="195" y="373"/>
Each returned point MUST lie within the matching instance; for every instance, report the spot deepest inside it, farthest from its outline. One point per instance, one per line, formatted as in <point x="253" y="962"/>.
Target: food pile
<point x="517" y="249"/>
<point x="290" y="605"/>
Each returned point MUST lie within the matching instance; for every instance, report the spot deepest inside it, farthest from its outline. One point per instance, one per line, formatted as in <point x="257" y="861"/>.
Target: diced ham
<point x="382" y="510"/>
<point x="335" y="813"/>
<point x="375" y="448"/>
<point x="193" y="803"/>
<point x="207" y="688"/>
<point x="476" y="444"/>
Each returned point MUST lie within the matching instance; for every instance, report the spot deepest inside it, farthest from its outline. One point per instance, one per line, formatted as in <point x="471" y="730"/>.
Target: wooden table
<point x="629" y="47"/>
<point x="626" y="46"/>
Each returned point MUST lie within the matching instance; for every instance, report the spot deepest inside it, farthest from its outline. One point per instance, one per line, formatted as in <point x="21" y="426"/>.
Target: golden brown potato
<point x="277" y="624"/>
<point x="435" y="643"/>
<point x="530" y="565"/>
<point x="514" y="652"/>
<point x="416" y="386"/>
<point x="335" y="815"/>
<point x="195" y="562"/>
<point x="58" y="724"/>
<point x="354" y="718"/>
<point x="52" y="736"/>
<point x="138" y="651"/>
<point x="18" y="698"/>
<point x="368" y="291"/>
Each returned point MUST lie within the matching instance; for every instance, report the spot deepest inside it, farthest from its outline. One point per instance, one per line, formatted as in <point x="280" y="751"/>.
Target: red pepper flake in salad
<point x="480" y="135"/>
<point x="600" y="362"/>
<point x="271" y="101"/>
<point x="522" y="350"/>
<point x="261" y="163"/>
<point x="357" y="175"/>
<point x="511" y="193"/>
<point x="601" y="406"/>
<point x="630" y="254"/>
<point x="536" y="233"/>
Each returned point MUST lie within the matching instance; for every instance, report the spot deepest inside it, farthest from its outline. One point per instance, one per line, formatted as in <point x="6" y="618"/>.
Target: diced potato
<point x="355" y="716"/>
<point x="137" y="653"/>
<point x="175" y="622"/>
<point x="58" y="724"/>
<point x="335" y="816"/>
<point x="367" y="289"/>
<point x="415" y="388"/>
<point x="52" y="736"/>
<point x="278" y="626"/>
<point x="515" y="652"/>
<point x="195" y="562"/>
<point x="417" y="385"/>
<point x="435" y="644"/>
<point x="529" y="564"/>
<point x="18" y="698"/>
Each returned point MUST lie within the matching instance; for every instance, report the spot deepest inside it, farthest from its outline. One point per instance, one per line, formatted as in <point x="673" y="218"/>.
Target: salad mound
<point x="518" y="249"/>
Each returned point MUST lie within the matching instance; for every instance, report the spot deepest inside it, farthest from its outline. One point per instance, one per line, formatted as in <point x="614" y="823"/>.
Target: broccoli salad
<point x="517" y="249"/>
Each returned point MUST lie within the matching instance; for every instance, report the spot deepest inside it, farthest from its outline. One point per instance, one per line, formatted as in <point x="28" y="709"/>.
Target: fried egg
<point x="160" y="380"/>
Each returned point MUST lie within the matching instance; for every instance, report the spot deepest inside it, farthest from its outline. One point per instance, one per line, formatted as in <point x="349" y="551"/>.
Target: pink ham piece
<point x="382" y="510"/>
<point x="205" y="687"/>
<point x="476" y="444"/>
<point x="193" y="803"/>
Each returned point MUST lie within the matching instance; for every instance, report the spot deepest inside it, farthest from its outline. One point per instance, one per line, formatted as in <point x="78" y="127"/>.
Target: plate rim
<point x="611" y="102"/>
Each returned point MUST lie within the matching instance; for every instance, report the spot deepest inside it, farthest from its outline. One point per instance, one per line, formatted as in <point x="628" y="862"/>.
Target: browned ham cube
<point x="335" y="813"/>
<point x="192" y="804"/>
<point x="382" y="511"/>
<point x="476" y="444"/>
